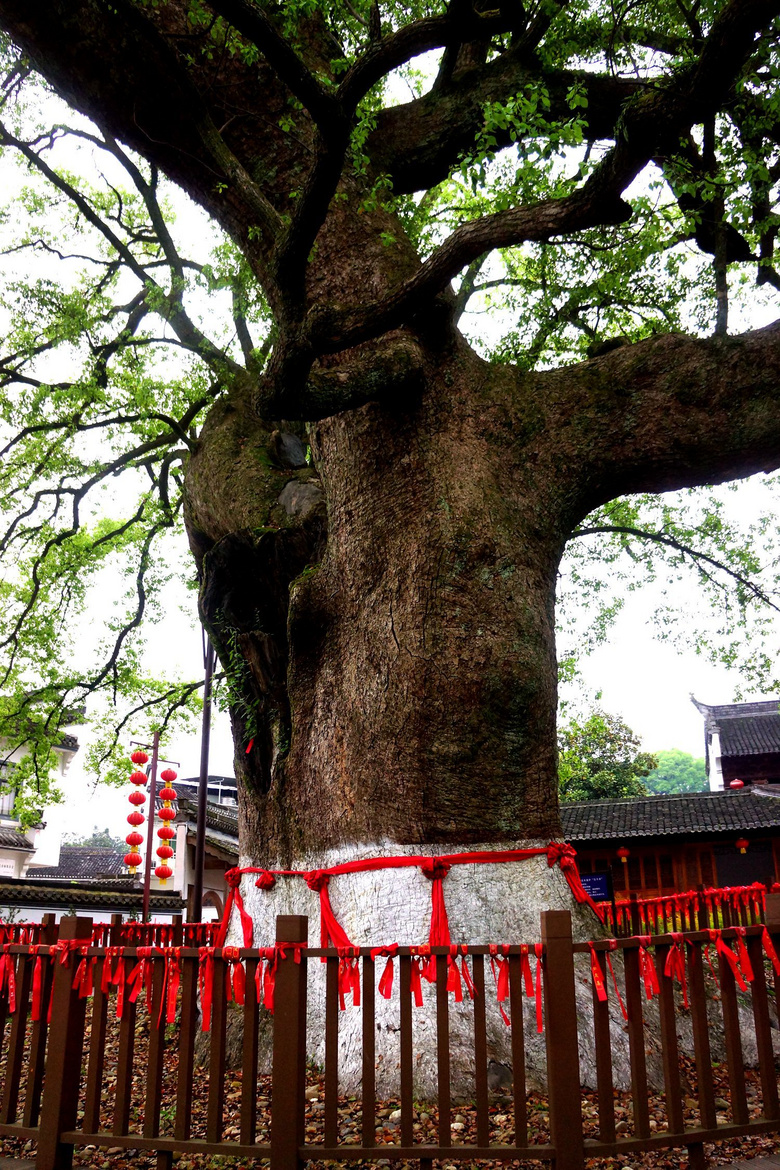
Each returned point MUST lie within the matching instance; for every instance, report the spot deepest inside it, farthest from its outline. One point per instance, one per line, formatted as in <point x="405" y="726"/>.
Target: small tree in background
<point x="677" y="771"/>
<point x="599" y="759"/>
<point x="98" y="839"/>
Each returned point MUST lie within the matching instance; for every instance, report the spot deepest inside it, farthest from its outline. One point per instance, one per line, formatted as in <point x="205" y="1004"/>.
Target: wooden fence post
<point x="63" y="1063"/>
<point x="636" y="921"/>
<point x="288" y="1086"/>
<point x="560" y="1027"/>
<point x="772" y="919"/>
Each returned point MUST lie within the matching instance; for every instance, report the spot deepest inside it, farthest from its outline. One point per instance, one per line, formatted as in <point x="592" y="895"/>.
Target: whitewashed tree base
<point x="485" y="903"/>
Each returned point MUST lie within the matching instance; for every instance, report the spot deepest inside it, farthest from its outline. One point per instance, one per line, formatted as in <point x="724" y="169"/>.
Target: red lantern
<point x="737" y="784"/>
<point x="742" y="844"/>
<point x="166" y="832"/>
<point x="136" y="817"/>
<point x="624" y="854"/>
<point x="164" y="851"/>
<point x="166" y="814"/>
<point x="168" y="775"/>
<point x="163" y="872"/>
<point x="168" y="794"/>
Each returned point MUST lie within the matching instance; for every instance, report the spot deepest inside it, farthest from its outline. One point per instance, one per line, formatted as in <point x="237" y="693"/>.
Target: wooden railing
<point x="698" y="909"/>
<point x="118" y="931"/>
<point x="78" y="1076"/>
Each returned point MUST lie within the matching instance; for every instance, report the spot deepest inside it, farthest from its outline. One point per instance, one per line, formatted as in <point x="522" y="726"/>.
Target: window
<point x="666" y="871"/>
<point x="634" y="873"/>
<point x="6" y="798"/>
<point x="707" y="870"/>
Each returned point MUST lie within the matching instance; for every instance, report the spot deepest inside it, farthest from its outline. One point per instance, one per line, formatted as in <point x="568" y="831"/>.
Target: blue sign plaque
<point x="597" y="885"/>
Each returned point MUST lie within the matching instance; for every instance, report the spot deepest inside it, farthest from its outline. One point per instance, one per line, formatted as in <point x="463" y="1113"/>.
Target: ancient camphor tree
<point x="384" y="603"/>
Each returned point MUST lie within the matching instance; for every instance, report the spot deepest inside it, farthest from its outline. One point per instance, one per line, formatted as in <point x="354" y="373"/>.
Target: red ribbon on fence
<point x="612" y="945"/>
<point x="744" y="957"/>
<point x="499" y="965"/>
<point x="386" y="980"/>
<point x="539" y="951"/>
<point x="421" y="957"/>
<point x="83" y="977"/>
<point x="265" y="976"/>
<point x="349" y="976"/>
<point x="119" y="982"/>
<point x="525" y="967"/>
<point x="170" y="987"/>
<point x="597" y="976"/>
<point x="206" y="984"/>
<point x="8" y="976"/>
<point x="674" y="966"/>
<point x="235" y="976"/>
<point x="770" y="950"/>
<point x="457" y="977"/>
<point x="140" y="978"/>
<point x="105" y="977"/>
<point x="464" y="969"/>
<point x="647" y="968"/>
<point x="37" y="983"/>
<point x="729" y="957"/>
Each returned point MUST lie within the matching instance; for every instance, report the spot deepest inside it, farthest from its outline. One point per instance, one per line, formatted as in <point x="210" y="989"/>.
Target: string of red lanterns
<point x="136" y="818"/>
<point x="166" y="832"/>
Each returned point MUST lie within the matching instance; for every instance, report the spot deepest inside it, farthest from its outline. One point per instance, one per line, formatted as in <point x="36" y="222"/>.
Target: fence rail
<point x="86" y="1028"/>
<point x="704" y="907"/>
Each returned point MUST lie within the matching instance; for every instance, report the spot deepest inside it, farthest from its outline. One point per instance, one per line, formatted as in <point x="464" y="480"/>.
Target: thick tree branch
<point x="461" y="23"/>
<point x="583" y="209"/>
<point x="666" y="413"/>
<point x="253" y="23"/>
<point x="390" y="371"/>
<point x="418" y="144"/>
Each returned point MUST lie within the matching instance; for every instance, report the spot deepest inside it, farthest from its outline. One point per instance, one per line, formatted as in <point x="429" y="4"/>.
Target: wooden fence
<point x="86" y="1029"/>
<point x="699" y="909"/>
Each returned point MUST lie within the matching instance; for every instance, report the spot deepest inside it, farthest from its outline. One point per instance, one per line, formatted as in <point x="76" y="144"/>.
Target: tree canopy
<point x="545" y="221"/>
<point x="677" y="771"/>
<point x="599" y="759"/>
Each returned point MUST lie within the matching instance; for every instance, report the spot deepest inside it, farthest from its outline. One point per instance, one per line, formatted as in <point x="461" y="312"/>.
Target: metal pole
<point x="150" y="831"/>
<point x="196" y="912"/>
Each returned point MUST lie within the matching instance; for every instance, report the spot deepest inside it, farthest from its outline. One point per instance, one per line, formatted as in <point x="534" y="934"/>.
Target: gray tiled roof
<point x="84" y="863"/>
<point x="221" y="826"/>
<point x="83" y="895"/>
<point x="750" y="736"/>
<point x="696" y="813"/>
<point x="12" y="839"/>
<point x="222" y="817"/>
<point x="745" y="729"/>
